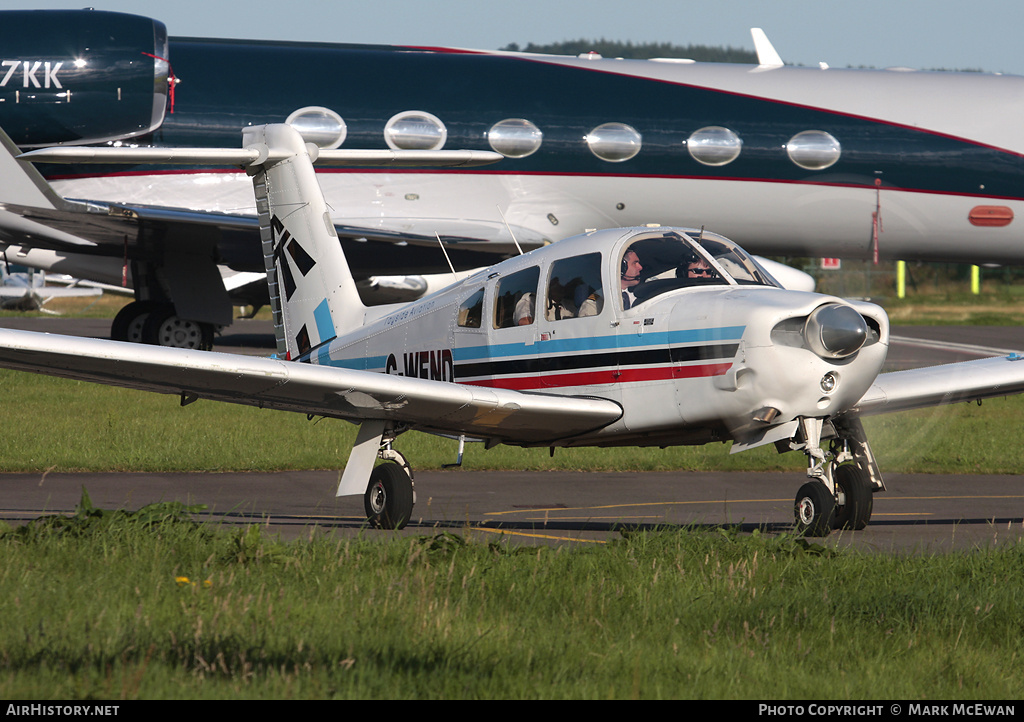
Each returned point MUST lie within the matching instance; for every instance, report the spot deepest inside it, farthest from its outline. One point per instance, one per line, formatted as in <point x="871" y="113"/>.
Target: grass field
<point x="64" y="425"/>
<point x="149" y="606"/>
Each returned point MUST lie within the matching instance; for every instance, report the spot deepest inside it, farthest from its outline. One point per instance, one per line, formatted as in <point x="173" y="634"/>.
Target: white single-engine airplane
<point x="644" y="336"/>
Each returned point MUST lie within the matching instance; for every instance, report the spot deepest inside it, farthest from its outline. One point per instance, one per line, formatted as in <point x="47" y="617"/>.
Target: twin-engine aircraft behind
<point x="638" y="336"/>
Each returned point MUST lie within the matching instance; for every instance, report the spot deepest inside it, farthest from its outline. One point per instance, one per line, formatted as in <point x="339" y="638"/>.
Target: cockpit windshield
<point x="658" y="263"/>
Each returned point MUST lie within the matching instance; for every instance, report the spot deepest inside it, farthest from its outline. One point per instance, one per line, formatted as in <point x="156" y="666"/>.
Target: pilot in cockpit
<point x="698" y="268"/>
<point x="630" y="276"/>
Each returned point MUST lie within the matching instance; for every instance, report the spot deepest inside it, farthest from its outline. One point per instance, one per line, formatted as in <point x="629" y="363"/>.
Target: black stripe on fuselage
<point x="553" y="364"/>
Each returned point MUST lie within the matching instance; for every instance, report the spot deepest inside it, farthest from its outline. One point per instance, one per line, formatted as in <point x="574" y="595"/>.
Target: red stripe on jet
<point x="610" y="376"/>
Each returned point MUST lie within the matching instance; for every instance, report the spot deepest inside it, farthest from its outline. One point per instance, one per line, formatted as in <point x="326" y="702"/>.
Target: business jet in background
<point x="885" y="164"/>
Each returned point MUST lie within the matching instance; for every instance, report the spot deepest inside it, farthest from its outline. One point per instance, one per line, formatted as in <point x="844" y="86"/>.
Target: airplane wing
<point x="318" y="390"/>
<point x="945" y="384"/>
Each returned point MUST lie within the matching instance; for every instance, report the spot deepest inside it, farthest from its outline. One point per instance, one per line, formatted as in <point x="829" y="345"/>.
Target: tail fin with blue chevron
<point x="312" y="292"/>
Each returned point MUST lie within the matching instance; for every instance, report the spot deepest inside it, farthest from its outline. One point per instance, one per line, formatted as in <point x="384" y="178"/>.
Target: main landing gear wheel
<point x="129" y="321"/>
<point x="388" y="500"/>
<point x="853" y="485"/>
<point x="815" y="509"/>
<point x="165" y="328"/>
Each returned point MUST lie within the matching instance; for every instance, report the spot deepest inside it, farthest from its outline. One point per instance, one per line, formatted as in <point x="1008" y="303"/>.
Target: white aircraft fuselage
<point x="694" y="363"/>
<point x="786" y="160"/>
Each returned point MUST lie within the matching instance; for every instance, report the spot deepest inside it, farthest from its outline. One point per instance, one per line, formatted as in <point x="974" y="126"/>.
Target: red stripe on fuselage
<point x="597" y="378"/>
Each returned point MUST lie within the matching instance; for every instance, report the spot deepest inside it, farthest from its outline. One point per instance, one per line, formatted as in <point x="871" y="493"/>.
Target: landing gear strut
<point x="843" y="479"/>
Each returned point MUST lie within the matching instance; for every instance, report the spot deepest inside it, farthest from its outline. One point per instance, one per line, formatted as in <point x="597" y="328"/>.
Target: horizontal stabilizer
<point x="22" y="184"/>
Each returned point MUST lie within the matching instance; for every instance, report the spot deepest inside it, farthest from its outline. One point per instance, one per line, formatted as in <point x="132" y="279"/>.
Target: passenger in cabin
<point x="523" y="315"/>
<point x="515" y="301"/>
<point x="587" y="300"/>
<point x="574" y="288"/>
<point x="559" y="304"/>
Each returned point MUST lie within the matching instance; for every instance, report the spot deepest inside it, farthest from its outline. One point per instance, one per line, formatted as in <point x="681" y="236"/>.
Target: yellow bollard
<point x="901" y="279"/>
<point x="975" y="280"/>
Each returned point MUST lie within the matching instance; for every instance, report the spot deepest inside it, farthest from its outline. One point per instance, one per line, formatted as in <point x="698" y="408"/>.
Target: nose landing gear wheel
<point x="855" y="512"/>
<point x="814" y="509"/>
<point x="389" y="499"/>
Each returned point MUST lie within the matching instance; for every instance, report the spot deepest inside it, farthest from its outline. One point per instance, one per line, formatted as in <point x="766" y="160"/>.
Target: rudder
<point x="312" y="293"/>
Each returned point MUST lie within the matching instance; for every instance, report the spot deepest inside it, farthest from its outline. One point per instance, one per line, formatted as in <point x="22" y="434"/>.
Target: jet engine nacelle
<point x="81" y="76"/>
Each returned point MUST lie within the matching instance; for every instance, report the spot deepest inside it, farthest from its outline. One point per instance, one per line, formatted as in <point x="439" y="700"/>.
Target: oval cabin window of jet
<point x="813" y="149"/>
<point x="614" y="142"/>
<point x="714" y="145"/>
<point x="415" y="130"/>
<point x="321" y="126"/>
<point x="515" y="137"/>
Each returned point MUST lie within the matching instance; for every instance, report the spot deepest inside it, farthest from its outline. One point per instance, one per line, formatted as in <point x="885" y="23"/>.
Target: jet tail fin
<point x="767" y="55"/>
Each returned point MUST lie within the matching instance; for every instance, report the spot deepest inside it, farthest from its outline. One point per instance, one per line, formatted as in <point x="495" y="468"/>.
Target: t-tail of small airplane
<point x="312" y="292"/>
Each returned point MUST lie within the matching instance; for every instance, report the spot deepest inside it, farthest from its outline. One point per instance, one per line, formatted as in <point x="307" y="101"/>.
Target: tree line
<point x="641" y="51"/>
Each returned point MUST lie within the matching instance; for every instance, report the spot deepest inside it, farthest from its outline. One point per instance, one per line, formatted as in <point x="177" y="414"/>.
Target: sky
<point x="922" y="34"/>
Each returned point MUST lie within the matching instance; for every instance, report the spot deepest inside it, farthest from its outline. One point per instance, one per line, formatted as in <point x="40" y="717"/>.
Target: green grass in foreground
<point x="67" y="425"/>
<point x="115" y="605"/>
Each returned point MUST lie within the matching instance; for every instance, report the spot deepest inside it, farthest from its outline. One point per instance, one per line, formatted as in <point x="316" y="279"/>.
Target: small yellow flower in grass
<point x="186" y="582"/>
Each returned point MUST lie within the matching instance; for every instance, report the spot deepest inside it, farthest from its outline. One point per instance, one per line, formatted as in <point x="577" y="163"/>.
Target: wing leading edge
<point x="509" y="416"/>
<point x="945" y="384"/>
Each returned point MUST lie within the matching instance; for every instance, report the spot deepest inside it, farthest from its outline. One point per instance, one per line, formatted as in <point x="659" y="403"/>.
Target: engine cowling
<point x="81" y="76"/>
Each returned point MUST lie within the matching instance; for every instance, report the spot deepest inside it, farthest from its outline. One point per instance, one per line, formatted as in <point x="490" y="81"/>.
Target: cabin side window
<point x="471" y="312"/>
<point x="515" y="298"/>
<point x="574" y="288"/>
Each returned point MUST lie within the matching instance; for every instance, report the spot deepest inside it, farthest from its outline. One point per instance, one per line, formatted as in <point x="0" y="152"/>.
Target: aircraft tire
<point x="856" y="512"/>
<point x="129" y="321"/>
<point x="388" y="500"/>
<point x="814" y="509"/>
<point x="164" y="327"/>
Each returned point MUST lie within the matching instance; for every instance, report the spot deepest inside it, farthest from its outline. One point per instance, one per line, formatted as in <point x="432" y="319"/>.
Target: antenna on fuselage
<point x="503" y="219"/>
<point x="445" y="252"/>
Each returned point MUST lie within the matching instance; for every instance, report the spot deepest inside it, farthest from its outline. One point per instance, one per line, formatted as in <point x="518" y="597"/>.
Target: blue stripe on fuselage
<point x="598" y="343"/>
<point x="559" y="346"/>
